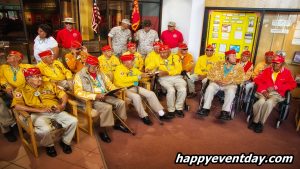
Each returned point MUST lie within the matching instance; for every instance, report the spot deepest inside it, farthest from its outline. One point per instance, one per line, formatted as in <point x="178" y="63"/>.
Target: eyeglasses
<point x="211" y="50"/>
<point x="68" y="23"/>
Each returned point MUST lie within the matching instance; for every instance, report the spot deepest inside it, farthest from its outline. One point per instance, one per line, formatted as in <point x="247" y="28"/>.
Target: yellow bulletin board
<point x="232" y="30"/>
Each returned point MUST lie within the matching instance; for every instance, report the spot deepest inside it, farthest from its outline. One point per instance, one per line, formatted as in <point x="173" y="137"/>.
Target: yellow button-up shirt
<point x="91" y="95"/>
<point x="152" y="57"/>
<point x="7" y="79"/>
<point x="108" y="65"/>
<point x="172" y="65"/>
<point x="138" y="60"/>
<point x="204" y="64"/>
<point x="235" y="76"/>
<point x="259" y="68"/>
<point x="43" y="97"/>
<point x="55" y="72"/>
<point x="124" y="77"/>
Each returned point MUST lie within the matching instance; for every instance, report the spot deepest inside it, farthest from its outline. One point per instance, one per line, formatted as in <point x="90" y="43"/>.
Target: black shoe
<point x="224" y="115"/>
<point x="66" y="148"/>
<point x="179" y="113"/>
<point x="121" y="128"/>
<point x="203" y="112"/>
<point x="147" y="121"/>
<point x="166" y="117"/>
<point x="104" y="137"/>
<point x="10" y="136"/>
<point x="51" y="151"/>
<point x="252" y="126"/>
<point x="172" y="114"/>
<point x="259" y="128"/>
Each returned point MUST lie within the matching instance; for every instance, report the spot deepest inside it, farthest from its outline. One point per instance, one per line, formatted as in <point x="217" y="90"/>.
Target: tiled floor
<point x="85" y="155"/>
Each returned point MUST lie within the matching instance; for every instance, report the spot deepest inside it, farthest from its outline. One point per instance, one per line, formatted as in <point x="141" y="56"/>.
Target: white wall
<point x="188" y="15"/>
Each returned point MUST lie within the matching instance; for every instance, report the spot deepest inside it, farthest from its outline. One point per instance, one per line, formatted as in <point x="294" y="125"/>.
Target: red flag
<point x="96" y="19"/>
<point x="135" y="16"/>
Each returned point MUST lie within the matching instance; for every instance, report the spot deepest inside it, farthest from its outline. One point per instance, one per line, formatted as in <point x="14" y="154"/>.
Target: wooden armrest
<point x="79" y="98"/>
<point x="23" y="113"/>
<point x="72" y="102"/>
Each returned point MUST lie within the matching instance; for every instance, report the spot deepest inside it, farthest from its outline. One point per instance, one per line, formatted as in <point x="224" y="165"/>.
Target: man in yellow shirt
<point x="92" y="84"/>
<point x="11" y="77"/>
<point x="108" y="62"/>
<point x="169" y="72"/>
<point x="153" y="56"/>
<point x="264" y="64"/>
<point x="41" y="99"/>
<point x="75" y="59"/>
<point x="187" y="67"/>
<point x="11" y="74"/>
<point x="54" y="71"/>
<point x="138" y="58"/>
<point x="128" y="76"/>
<point x="224" y="75"/>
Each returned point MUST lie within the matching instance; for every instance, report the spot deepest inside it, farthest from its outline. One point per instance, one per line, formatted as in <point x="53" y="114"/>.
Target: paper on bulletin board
<point x="296" y="41"/>
<point x="238" y="35"/>
<point x="248" y="40"/>
<point x="225" y="35"/>
<point x="250" y="29"/>
<point x="297" y="33"/>
<point x="222" y="48"/>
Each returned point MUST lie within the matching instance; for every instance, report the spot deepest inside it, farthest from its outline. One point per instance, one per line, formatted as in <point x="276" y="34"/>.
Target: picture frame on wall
<point x="296" y="58"/>
<point x="235" y="47"/>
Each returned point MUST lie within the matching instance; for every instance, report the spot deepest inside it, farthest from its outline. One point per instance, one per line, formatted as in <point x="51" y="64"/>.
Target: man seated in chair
<point x="108" y="62"/>
<point x="225" y="76"/>
<point x="92" y="84"/>
<point x="264" y="64"/>
<point x="46" y="103"/>
<point x="138" y="58"/>
<point x="168" y="69"/>
<point x="54" y="71"/>
<point x="272" y="84"/>
<point x="126" y="75"/>
<point x="75" y="59"/>
<point x="153" y="56"/>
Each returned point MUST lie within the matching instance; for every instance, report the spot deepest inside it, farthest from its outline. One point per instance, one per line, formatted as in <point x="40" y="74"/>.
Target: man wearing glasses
<point x="172" y="37"/>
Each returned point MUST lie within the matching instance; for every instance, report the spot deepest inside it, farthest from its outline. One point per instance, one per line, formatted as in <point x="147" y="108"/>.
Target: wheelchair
<point x="236" y="104"/>
<point x="283" y="107"/>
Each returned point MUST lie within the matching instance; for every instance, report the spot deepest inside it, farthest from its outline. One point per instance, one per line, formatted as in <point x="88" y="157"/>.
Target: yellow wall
<point x="85" y="11"/>
<point x="295" y="4"/>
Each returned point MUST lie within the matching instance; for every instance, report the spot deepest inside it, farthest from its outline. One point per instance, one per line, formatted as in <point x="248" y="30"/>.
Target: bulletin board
<point x="232" y="30"/>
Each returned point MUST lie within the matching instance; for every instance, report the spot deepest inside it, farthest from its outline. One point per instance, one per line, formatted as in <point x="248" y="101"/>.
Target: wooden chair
<point x="85" y="110"/>
<point x="25" y="125"/>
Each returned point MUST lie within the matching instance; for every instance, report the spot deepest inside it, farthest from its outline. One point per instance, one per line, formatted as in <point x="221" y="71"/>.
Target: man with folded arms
<point x="45" y="102"/>
<point x="92" y="84"/>
<point x="126" y="75"/>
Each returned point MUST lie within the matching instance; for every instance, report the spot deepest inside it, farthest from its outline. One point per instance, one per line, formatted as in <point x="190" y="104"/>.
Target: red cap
<point x="31" y="71"/>
<point x="92" y="60"/>
<point x="45" y="53"/>
<point x="209" y="47"/>
<point x="230" y="52"/>
<point x="163" y="48"/>
<point x="129" y="45"/>
<point x="278" y="59"/>
<point x="16" y="53"/>
<point x="246" y="53"/>
<point x="156" y="44"/>
<point x="75" y="44"/>
<point x="106" y="48"/>
<point x="269" y="53"/>
<point x="127" y="57"/>
<point x="182" y="46"/>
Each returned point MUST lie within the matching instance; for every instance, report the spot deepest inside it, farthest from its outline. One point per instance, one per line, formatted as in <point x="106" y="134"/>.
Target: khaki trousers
<point x="173" y="84"/>
<point x="6" y="117"/>
<point x="135" y="93"/>
<point x="43" y="126"/>
<point x="213" y="88"/>
<point x="105" y="110"/>
<point x="263" y="107"/>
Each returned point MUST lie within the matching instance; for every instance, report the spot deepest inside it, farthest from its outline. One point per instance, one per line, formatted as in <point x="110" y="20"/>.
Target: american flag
<point x="96" y="19"/>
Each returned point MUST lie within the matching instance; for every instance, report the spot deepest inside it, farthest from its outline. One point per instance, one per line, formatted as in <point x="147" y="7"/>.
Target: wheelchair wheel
<point x="186" y="107"/>
<point x="248" y="118"/>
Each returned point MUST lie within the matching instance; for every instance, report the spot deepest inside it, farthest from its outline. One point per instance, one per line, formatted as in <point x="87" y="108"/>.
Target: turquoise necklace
<point x="227" y="70"/>
<point x="15" y="71"/>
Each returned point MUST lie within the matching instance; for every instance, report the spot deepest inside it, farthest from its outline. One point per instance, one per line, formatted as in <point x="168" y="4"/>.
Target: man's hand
<point x="58" y="108"/>
<point x="265" y="94"/>
<point x="220" y="83"/>
<point x="100" y="96"/>
<point x="71" y="85"/>
<point x="201" y="77"/>
<point x="84" y="49"/>
<point x="270" y="89"/>
<point x="45" y="110"/>
<point x="144" y="75"/>
<point x="9" y="91"/>
<point x="163" y="73"/>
